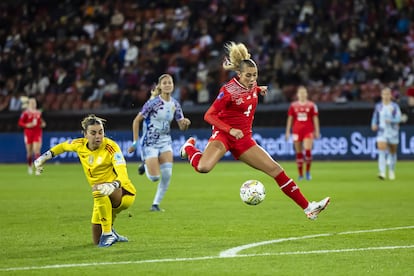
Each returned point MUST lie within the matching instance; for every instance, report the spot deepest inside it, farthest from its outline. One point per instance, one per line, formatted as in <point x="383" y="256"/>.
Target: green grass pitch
<point x="368" y="229"/>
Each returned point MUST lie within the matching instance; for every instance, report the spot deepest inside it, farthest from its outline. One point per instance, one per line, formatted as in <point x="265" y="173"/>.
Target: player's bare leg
<point x="212" y="154"/>
<point x="96" y="233"/>
<point x="29" y="158"/>
<point x="152" y="167"/>
<point x="36" y="152"/>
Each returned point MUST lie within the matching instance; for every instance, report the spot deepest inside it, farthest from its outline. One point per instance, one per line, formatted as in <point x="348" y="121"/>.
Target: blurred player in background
<point x="156" y="150"/>
<point x="32" y="122"/>
<point x="231" y="116"/>
<point x="303" y="116"/>
<point x="385" y="121"/>
<point x="105" y="169"/>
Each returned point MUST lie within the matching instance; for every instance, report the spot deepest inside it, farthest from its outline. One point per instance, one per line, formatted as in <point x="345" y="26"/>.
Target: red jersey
<point x="236" y="106"/>
<point x="29" y="116"/>
<point x="302" y="115"/>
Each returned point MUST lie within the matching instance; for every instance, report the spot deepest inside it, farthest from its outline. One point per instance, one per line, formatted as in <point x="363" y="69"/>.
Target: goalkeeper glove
<point x="38" y="163"/>
<point x="108" y="188"/>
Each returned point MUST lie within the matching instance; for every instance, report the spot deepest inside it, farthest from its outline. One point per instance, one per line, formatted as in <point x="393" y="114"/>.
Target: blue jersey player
<point x="385" y="121"/>
<point x="156" y="150"/>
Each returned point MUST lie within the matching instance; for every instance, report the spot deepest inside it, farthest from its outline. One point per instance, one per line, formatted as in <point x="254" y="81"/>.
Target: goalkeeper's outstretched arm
<point x="69" y="145"/>
<point x="38" y="163"/>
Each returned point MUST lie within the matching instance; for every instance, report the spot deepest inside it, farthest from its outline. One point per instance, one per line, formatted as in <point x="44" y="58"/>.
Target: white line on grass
<point x="221" y="256"/>
<point x="235" y="250"/>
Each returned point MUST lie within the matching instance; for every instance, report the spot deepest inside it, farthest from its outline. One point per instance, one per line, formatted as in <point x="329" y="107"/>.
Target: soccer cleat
<point x="107" y="240"/>
<point x="141" y="169"/>
<point x="38" y="172"/>
<point x="391" y="175"/>
<point x="190" y="142"/>
<point x="381" y="176"/>
<point x="119" y="238"/>
<point x="308" y="176"/>
<point x="30" y="170"/>
<point x="300" y="178"/>
<point x="314" y="208"/>
<point x="156" y="208"/>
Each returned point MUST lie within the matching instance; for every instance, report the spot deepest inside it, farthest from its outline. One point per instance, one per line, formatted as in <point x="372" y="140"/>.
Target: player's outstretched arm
<point x="38" y="163"/>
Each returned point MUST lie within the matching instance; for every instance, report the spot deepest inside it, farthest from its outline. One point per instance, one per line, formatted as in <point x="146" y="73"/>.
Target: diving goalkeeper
<point x="105" y="169"/>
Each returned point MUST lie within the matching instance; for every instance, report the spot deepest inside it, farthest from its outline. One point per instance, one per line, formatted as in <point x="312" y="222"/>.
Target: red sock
<point x="289" y="187"/>
<point x="308" y="159"/>
<point x="29" y="161"/>
<point x="299" y="163"/>
<point x="194" y="156"/>
<point x="37" y="155"/>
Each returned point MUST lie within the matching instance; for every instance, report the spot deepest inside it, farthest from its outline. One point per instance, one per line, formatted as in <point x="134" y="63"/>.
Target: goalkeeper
<point x="105" y="169"/>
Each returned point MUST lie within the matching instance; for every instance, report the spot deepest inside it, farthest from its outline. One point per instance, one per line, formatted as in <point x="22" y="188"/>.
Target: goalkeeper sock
<point x="104" y="207"/>
<point x="299" y="163"/>
<point x="289" y="187"/>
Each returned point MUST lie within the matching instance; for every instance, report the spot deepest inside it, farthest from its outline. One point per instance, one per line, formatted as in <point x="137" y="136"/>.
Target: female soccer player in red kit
<point x="32" y="122"/>
<point x="303" y="115"/>
<point x="231" y="116"/>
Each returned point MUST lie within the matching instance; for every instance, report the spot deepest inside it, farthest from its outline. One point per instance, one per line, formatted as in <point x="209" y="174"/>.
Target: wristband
<point x="117" y="184"/>
<point x="134" y="144"/>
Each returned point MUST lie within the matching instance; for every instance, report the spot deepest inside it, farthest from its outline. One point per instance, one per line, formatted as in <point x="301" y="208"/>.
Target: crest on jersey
<point x="220" y="95"/>
<point x="239" y="101"/>
<point x="119" y="158"/>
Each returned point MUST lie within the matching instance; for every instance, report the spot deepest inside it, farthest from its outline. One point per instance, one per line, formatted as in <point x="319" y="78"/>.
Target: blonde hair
<point x="157" y="89"/>
<point x="91" y="119"/>
<point x="238" y="56"/>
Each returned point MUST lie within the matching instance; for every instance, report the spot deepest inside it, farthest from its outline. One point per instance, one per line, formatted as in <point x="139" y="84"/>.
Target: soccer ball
<point x="252" y="192"/>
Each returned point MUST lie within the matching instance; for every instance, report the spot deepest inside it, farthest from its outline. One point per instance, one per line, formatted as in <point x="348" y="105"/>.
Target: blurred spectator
<point x="58" y="47"/>
<point x="98" y="92"/>
<point x="410" y="96"/>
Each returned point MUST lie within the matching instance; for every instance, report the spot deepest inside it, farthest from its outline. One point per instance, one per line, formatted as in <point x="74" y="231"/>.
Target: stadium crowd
<point x="82" y="54"/>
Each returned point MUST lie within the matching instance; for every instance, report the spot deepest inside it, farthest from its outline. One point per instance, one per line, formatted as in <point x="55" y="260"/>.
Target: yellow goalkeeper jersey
<point x="105" y="164"/>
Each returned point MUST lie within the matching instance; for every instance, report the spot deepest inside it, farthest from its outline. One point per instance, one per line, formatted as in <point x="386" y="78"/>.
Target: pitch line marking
<point x="232" y="252"/>
<point x="344" y="250"/>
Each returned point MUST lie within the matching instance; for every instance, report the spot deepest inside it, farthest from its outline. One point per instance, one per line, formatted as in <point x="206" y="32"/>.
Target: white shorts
<point x="154" y="151"/>
<point x="393" y="140"/>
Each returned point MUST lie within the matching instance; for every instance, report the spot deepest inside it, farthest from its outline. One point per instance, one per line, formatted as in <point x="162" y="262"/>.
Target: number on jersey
<point x="247" y="112"/>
